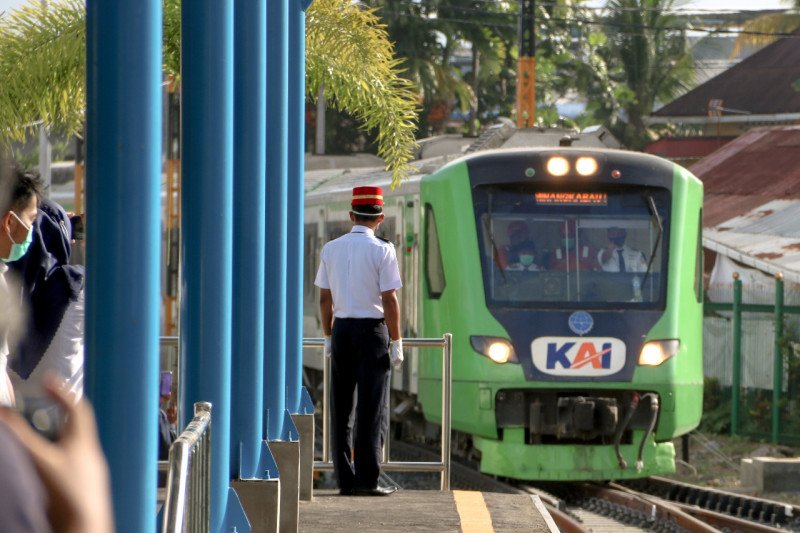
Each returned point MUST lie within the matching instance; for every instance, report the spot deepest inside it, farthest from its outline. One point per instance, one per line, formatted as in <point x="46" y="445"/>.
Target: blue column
<point x="206" y="247"/>
<point x="275" y="294"/>
<point x="249" y="116"/>
<point x="123" y="114"/>
<point x="294" y="296"/>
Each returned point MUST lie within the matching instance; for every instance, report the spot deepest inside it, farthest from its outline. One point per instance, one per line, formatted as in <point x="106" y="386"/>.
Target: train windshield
<point x="589" y="249"/>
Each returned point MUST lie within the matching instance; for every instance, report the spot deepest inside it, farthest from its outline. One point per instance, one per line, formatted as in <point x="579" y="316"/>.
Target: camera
<point x="44" y="415"/>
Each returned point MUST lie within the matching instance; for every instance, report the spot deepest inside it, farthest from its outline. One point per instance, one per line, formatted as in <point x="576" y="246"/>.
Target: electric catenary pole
<point x="526" y="67"/>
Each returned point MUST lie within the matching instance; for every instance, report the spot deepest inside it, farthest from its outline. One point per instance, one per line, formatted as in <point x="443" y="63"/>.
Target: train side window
<point x="434" y="269"/>
<point x="698" y="262"/>
<point x="310" y="262"/>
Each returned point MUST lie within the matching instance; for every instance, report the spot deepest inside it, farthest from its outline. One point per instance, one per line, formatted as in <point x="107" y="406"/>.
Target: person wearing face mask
<point x="19" y="201"/>
<point x="53" y="290"/>
<point x="618" y="256"/>
<point x="358" y="278"/>
<point x="526" y="259"/>
<point x="566" y="258"/>
<point x="518" y="238"/>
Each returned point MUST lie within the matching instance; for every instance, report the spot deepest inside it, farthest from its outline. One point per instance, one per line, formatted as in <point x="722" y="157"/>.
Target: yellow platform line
<point x="472" y="512"/>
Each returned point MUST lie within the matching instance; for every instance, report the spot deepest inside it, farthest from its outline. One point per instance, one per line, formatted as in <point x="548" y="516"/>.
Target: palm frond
<point x="42" y="68"/>
<point x="348" y="52"/>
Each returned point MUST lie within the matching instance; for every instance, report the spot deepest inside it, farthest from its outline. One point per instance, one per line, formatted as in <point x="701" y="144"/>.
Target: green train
<point x="572" y="282"/>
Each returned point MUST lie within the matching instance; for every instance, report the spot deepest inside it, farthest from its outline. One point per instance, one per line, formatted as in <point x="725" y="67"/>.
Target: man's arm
<point x="391" y="313"/>
<point x="326" y="310"/>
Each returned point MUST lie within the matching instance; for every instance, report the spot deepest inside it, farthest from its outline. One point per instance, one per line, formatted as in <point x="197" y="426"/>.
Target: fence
<point x="187" y="506"/>
<point x="446" y="343"/>
<point x="752" y="351"/>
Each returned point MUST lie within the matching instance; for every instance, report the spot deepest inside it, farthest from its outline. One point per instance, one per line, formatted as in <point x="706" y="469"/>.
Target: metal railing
<point x="187" y="506"/>
<point x="446" y="343"/>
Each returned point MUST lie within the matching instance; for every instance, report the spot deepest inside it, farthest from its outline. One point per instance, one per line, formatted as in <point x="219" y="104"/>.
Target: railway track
<point x="650" y="504"/>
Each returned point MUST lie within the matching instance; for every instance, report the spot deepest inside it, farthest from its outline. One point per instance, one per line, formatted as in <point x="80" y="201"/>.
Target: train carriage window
<point x="434" y="269"/>
<point x="586" y="249"/>
<point x="698" y="265"/>
<point x="310" y="262"/>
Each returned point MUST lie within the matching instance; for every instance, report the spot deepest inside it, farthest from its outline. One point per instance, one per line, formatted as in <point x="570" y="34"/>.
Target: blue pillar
<point x="294" y="296"/>
<point x="249" y="116"/>
<point x="123" y="114"/>
<point x="206" y="247"/>
<point x="275" y="294"/>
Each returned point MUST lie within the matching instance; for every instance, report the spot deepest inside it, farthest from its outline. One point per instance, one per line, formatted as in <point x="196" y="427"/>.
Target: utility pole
<point x="526" y="66"/>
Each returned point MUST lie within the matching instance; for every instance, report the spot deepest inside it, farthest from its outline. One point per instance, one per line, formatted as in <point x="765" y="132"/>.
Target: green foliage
<point x="42" y="68"/>
<point x="349" y="55"/>
<point x="716" y="408"/>
<point x="644" y="61"/>
<point x="43" y="71"/>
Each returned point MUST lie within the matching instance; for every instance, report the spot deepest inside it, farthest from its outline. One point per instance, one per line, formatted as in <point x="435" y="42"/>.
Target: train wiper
<point x="495" y="253"/>
<point x="654" y="217"/>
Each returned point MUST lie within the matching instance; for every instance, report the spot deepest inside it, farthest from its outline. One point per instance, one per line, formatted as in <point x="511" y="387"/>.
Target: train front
<point x="581" y="356"/>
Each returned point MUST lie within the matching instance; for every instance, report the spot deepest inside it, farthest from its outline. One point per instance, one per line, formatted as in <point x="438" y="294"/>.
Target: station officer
<point x="358" y="276"/>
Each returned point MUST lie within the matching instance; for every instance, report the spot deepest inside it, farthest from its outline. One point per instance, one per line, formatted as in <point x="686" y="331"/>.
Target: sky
<point x="698" y="4"/>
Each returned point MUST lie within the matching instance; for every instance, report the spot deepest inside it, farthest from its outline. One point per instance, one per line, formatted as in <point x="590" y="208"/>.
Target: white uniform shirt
<point x="634" y="260"/>
<point x="357" y="268"/>
<point x="62" y="359"/>
<point x="5" y="324"/>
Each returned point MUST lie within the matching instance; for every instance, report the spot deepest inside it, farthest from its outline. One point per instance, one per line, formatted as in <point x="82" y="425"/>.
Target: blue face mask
<point x="526" y="259"/>
<point x="18" y="249"/>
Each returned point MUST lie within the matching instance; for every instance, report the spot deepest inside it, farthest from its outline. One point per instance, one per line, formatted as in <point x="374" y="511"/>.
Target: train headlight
<point x="557" y="166"/>
<point x="586" y="166"/>
<point x="656" y="352"/>
<point x="497" y="349"/>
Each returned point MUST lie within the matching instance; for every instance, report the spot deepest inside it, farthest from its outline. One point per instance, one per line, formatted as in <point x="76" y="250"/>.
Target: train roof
<point x="504" y="137"/>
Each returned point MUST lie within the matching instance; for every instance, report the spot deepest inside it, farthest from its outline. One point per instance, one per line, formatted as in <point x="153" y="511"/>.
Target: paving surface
<point x="422" y="510"/>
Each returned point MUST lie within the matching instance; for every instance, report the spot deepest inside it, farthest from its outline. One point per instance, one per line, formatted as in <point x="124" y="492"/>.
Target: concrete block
<point x="287" y="457"/>
<point x="261" y="501"/>
<point x="305" y="425"/>
<point x="771" y="474"/>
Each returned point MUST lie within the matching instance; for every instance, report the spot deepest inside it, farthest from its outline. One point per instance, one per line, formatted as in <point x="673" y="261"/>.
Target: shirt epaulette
<point x="387" y="241"/>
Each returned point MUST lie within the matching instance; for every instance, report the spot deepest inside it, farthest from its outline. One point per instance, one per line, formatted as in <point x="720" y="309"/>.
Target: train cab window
<point x="434" y="270"/>
<point x="555" y="250"/>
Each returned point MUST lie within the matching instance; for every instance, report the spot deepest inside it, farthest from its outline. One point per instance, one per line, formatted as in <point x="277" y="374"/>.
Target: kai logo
<point x="578" y="356"/>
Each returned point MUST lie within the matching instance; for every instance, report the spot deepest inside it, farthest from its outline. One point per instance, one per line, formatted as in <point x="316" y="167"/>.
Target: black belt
<point x="366" y="320"/>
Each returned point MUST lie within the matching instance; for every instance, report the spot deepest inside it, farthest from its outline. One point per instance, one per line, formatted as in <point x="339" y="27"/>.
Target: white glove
<point x="396" y="352"/>
<point x="328" y="346"/>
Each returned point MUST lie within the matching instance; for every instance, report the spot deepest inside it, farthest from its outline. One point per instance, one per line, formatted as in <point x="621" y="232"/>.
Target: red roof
<point x="761" y="165"/>
<point x="686" y="147"/>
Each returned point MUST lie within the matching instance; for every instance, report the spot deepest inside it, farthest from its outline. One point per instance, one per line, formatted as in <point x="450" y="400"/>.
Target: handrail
<point x="446" y="342"/>
<point x="187" y="505"/>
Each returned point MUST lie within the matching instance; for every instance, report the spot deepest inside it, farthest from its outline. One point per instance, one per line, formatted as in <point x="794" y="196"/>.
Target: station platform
<point x="425" y="510"/>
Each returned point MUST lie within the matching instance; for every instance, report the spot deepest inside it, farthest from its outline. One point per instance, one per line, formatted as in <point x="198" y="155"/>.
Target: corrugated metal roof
<point x="766" y="237"/>
<point x="763" y="84"/>
<point x="767" y="253"/>
<point x="763" y="161"/>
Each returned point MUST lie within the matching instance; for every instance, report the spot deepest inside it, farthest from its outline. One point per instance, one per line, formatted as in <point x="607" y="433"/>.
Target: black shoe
<point x="377" y="491"/>
<point x="346" y="492"/>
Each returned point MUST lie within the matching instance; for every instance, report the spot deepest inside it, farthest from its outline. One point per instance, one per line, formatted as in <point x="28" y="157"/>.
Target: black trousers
<point x="360" y="361"/>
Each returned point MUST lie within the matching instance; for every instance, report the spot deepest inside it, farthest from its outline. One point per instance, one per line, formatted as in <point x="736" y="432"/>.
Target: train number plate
<point x="578" y="356"/>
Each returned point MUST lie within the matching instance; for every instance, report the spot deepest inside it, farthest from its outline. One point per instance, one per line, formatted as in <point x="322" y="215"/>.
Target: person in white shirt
<point x="358" y="276"/>
<point x="618" y="256"/>
<point x="19" y="201"/>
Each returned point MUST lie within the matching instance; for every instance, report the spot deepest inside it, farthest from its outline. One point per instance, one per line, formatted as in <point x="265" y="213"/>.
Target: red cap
<point x="367" y="196"/>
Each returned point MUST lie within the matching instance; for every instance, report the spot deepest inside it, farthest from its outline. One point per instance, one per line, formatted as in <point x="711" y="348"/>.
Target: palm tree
<point x="43" y="71"/>
<point x="647" y="61"/>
